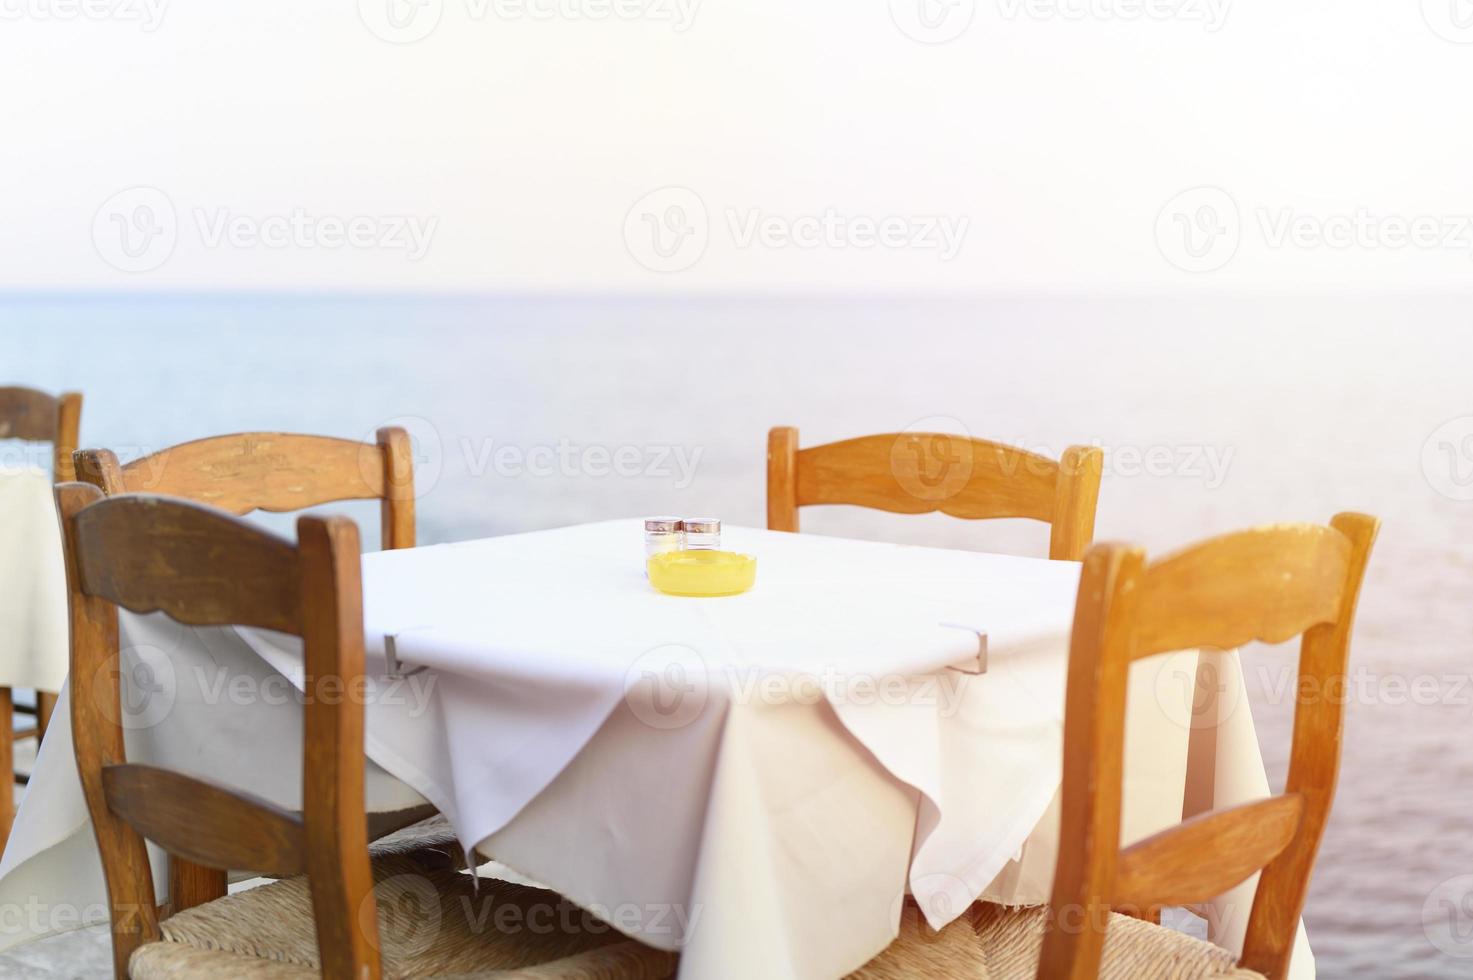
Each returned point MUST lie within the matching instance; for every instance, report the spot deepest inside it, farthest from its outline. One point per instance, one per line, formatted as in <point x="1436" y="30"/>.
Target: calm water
<point x="1216" y="413"/>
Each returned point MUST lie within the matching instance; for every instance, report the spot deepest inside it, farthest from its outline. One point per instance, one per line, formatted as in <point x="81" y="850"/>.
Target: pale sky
<point x="732" y="145"/>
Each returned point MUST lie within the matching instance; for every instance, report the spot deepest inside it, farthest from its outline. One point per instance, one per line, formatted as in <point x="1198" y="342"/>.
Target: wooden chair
<point x="920" y="472"/>
<point x="1268" y="584"/>
<point x="272" y="471"/>
<point x="33" y="416"/>
<point x="204" y="567"/>
<point x="275" y="472"/>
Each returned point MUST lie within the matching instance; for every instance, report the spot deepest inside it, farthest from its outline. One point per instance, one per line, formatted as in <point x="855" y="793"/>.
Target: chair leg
<point x="191" y="884"/>
<point x="7" y="763"/>
<point x="45" y="705"/>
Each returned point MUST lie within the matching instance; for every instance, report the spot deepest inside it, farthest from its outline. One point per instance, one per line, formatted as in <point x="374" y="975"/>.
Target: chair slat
<point x="920" y="472"/>
<point x="206" y="823"/>
<point x="269" y="471"/>
<point x="174" y="563"/>
<point x="1207" y="855"/>
<point x="26" y="413"/>
<point x="925" y="472"/>
<point x="1269" y="584"/>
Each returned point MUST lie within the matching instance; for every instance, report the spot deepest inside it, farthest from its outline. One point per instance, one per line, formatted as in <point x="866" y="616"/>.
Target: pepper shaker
<point x="702" y="534"/>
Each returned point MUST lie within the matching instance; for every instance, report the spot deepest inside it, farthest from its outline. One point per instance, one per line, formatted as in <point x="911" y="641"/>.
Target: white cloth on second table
<point x="564" y="733"/>
<point x="197" y="700"/>
<point x="33" y="614"/>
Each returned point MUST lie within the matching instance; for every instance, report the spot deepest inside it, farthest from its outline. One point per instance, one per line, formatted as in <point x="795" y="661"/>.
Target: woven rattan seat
<point x="990" y="942"/>
<point x="433" y="922"/>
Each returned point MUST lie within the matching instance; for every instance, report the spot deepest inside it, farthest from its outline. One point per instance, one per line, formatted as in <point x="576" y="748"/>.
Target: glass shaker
<point x="662" y="534"/>
<point x="702" y="534"/>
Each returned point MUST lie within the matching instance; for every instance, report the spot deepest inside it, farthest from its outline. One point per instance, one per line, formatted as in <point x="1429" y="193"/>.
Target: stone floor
<point x="85" y="954"/>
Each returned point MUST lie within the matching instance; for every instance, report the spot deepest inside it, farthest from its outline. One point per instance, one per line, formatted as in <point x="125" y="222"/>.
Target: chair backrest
<point x="920" y="472"/>
<point x="35" y="416"/>
<point x="272" y="471"/>
<point x="204" y="567"/>
<point x="1269" y="584"/>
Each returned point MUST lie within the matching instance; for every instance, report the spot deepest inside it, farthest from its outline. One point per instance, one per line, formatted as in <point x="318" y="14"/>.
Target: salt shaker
<point x="662" y="534"/>
<point x="702" y="534"/>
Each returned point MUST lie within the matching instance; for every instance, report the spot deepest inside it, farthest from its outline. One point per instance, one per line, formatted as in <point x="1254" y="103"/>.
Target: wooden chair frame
<point x="1267" y="584"/>
<point x="33" y="416"/>
<point x="272" y="471"/>
<point x="269" y="471"/>
<point x="204" y="567"/>
<point x="975" y="479"/>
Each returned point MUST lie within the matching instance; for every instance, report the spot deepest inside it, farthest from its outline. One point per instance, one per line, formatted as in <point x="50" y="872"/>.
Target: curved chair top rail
<point x="198" y="564"/>
<point x="1268" y="583"/>
<point x="272" y="471"/>
<point x="923" y="472"/>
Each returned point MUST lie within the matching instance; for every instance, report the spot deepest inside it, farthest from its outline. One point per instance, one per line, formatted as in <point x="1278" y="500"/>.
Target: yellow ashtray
<point x="702" y="572"/>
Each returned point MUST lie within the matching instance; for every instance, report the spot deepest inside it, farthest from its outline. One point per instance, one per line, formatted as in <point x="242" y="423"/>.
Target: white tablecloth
<point x="755" y="780"/>
<point x="33" y="616"/>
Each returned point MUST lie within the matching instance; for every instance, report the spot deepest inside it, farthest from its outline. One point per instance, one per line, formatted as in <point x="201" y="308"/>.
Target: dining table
<point x="757" y="781"/>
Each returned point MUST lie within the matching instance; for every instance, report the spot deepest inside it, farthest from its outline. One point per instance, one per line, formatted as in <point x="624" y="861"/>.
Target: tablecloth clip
<point x="981" y="666"/>
<point x="391" y="654"/>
